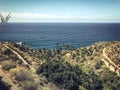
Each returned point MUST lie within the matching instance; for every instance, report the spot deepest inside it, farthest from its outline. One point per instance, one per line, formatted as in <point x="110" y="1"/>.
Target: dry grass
<point x="113" y="52"/>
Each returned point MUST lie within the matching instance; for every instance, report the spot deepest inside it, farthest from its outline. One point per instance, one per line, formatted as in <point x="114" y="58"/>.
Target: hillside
<point x="113" y="52"/>
<point x="18" y="67"/>
<point x="85" y="68"/>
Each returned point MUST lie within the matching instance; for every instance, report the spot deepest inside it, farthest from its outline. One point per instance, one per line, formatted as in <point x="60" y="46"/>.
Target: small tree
<point x="6" y="19"/>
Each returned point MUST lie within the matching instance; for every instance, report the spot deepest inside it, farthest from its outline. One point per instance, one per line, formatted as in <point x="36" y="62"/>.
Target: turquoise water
<point x="39" y="35"/>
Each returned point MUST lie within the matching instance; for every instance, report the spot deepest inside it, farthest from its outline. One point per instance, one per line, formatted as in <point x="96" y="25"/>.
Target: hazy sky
<point x="61" y="10"/>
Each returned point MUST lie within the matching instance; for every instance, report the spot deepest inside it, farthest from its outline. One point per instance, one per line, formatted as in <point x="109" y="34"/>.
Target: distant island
<point x="94" y="67"/>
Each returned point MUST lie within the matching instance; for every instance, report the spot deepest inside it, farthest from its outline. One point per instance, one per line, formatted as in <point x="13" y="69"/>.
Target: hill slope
<point x="23" y="68"/>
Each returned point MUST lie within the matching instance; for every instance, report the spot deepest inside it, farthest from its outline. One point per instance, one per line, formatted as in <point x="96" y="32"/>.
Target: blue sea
<point x="39" y="35"/>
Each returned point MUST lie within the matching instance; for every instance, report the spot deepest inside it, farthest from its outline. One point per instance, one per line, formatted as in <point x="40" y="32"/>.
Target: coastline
<point x="19" y="59"/>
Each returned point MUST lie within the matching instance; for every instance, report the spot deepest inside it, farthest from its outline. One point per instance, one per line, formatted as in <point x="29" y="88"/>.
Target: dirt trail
<point x="36" y="77"/>
<point x="105" y="56"/>
<point x="20" y="57"/>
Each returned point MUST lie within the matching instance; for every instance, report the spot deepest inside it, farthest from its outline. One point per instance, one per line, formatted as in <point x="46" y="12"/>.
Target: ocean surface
<point x="39" y="35"/>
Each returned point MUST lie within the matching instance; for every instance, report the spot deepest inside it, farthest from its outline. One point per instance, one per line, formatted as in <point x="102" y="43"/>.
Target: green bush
<point x="23" y="76"/>
<point x="3" y="85"/>
<point x="92" y="82"/>
<point x="30" y="86"/>
<point x="7" y="65"/>
<point x="69" y="77"/>
<point x="8" y="52"/>
<point x="62" y="74"/>
<point x="110" y="81"/>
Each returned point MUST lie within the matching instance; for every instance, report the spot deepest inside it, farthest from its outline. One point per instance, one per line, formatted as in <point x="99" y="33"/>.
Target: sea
<point x="46" y="35"/>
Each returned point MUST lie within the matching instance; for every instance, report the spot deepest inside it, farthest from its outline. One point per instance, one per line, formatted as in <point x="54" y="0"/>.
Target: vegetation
<point x="23" y="76"/>
<point x="7" y="65"/>
<point x="6" y="19"/>
<point x="63" y="68"/>
<point x="65" y="76"/>
<point x="30" y="86"/>
<point x="110" y="80"/>
<point x="3" y="85"/>
<point x="113" y="52"/>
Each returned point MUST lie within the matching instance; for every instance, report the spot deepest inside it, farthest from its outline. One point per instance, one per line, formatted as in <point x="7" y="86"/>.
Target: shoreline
<point x="17" y="59"/>
<point x="60" y="44"/>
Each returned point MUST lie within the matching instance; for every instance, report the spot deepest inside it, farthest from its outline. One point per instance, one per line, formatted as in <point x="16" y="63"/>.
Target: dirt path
<point x="105" y="56"/>
<point x="20" y="57"/>
<point x="33" y="70"/>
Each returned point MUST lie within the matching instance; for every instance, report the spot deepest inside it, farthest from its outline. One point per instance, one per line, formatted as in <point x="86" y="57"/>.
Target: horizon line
<point x="70" y="22"/>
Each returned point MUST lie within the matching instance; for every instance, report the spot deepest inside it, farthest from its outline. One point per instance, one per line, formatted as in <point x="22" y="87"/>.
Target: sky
<point x="61" y="10"/>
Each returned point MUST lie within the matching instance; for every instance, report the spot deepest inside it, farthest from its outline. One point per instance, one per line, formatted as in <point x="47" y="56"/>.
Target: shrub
<point x="30" y="86"/>
<point x="92" y="82"/>
<point x="62" y="74"/>
<point x="15" y="71"/>
<point x="69" y="77"/>
<point x="7" y="52"/>
<point x="99" y="65"/>
<point x="110" y="80"/>
<point x="3" y="85"/>
<point x="7" y="65"/>
<point x="23" y="76"/>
